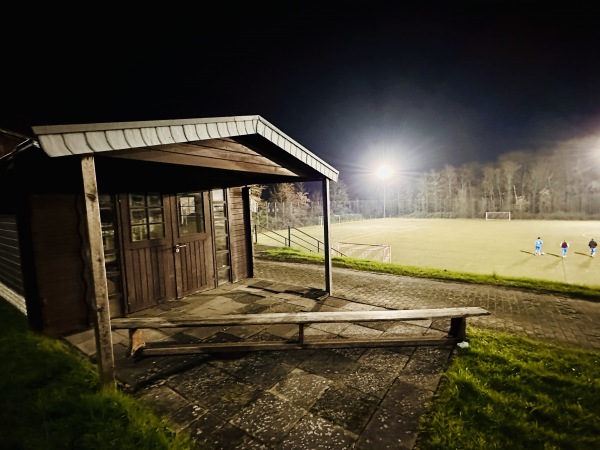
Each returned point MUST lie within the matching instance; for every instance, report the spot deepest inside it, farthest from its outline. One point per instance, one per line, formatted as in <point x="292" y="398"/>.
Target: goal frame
<point x="369" y="252"/>
<point x="497" y="215"/>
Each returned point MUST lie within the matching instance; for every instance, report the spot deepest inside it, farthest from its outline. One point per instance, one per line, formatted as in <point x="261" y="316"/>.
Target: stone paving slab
<point x="355" y="398"/>
<point x="550" y="317"/>
<point x="295" y="399"/>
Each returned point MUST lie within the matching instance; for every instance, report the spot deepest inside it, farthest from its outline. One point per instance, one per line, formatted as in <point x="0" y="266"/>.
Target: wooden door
<point x="167" y="250"/>
<point x="192" y="243"/>
<point x="147" y="249"/>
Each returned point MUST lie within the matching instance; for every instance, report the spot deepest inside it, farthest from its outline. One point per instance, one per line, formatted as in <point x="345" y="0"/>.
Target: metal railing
<point x="303" y="240"/>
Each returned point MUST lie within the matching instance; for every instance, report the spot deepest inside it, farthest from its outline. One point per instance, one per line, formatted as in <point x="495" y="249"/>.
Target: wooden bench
<point x="139" y="347"/>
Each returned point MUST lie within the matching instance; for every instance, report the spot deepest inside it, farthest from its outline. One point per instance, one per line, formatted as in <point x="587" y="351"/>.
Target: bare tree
<point x="449" y="179"/>
<point x="289" y="204"/>
<point x="509" y="169"/>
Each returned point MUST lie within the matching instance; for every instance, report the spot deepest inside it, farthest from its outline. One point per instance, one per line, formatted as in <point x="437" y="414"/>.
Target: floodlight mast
<point x="384" y="172"/>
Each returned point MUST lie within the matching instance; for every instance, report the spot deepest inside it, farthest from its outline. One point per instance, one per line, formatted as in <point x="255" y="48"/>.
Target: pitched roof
<point x="129" y="138"/>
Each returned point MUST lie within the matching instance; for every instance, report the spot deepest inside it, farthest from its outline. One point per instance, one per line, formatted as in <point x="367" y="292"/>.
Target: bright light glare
<point x="384" y="172"/>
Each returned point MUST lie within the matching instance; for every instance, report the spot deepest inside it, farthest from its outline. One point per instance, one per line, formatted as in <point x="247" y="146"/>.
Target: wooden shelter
<point x="103" y="220"/>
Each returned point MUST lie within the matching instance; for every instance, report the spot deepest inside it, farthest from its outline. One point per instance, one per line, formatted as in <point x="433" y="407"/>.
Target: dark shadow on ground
<point x="583" y="254"/>
<point x="532" y="253"/>
<point x="554" y="254"/>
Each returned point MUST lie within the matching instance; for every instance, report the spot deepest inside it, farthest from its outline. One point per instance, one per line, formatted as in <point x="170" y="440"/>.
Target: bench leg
<point x="458" y="328"/>
<point x="136" y="340"/>
<point x="301" y="333"/>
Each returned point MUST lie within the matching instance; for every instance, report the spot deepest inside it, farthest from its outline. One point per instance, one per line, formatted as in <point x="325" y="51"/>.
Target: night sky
<point x="356" y="83"/>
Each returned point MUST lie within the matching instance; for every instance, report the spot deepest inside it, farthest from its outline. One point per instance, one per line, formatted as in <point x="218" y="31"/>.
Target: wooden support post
<point x="458" y="328"/>
<point x="248" y="230"/>
<point x="99" y="290"/>
<point x="301" y="333"/>
<point x="326" y="234"/>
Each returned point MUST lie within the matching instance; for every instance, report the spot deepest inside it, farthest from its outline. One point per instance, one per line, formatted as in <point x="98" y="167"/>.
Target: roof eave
<point x="65" y="140"/>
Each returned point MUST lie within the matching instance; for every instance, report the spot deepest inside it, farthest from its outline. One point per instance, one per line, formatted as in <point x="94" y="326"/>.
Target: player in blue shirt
<point x="538" y="246"/>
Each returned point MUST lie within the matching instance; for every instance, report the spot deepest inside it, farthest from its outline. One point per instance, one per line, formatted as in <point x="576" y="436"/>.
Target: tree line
<point x="563" y="183"/>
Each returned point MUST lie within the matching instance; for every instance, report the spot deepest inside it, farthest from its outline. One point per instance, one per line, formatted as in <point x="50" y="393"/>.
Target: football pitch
<point x="501" y="247"/>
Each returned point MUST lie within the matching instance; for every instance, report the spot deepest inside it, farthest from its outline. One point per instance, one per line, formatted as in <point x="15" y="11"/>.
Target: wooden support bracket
<point x="136" y="339"/>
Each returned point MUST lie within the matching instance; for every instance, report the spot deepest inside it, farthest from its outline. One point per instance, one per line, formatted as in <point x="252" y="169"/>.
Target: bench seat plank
<point x="298" y="318"/>
<point x="138" y="346"/>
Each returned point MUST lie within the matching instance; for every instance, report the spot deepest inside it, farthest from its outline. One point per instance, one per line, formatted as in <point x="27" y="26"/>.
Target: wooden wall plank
<point x="10" y="257"/>
<point x="237" y="237"/>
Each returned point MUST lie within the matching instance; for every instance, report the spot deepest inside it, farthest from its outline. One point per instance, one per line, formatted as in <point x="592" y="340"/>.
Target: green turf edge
<point x="286" y="254"/>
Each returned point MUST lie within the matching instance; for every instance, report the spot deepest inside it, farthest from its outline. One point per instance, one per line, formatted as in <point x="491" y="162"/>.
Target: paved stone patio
<point x="360" y="398"/>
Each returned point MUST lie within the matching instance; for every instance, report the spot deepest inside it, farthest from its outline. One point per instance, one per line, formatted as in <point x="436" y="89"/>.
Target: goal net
<point x="372" y="252"/>
<point x="498" y="215"/>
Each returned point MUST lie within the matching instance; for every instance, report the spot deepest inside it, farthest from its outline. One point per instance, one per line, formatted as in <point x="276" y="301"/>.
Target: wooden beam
<point x="458" y="328"/>
<point x="138" y="347"/>
<point x="327" y="238"/>
<point x="170" y="349"/>
<point x="99" y="294"/>
<point x="216" y="154"/>
<point x="299" y="317"/>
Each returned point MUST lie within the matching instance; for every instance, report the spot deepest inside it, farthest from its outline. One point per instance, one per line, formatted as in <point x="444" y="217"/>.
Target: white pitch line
<point x="590" y="235"/>
<point x="371" y="232"/>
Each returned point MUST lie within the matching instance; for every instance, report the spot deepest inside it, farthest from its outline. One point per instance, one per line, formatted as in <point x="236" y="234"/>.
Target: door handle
<point x="176" y="247"/>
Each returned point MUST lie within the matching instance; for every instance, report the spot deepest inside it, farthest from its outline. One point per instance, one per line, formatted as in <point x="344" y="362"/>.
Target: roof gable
<point x="252" y="131"/>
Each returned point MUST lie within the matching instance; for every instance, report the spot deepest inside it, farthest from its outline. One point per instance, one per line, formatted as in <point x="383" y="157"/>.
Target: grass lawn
<point x="51" y="399"/>
<point x="510" y="392"/>
<point x="504" y="248"/>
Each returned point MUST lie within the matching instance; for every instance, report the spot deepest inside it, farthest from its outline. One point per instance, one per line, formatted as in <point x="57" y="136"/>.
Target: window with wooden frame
<point x="190" y="213"/>
<point x="146" y="216"/>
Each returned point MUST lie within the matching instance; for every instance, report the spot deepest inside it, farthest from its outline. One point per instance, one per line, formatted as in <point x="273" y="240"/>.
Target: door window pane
<point x="221" y="231"/>
<point x="139" y="233"/>
<point x="190" y="213"/>
<point x="107" y="222"/>
<point x="111" y="255"/>
<point x="146" y="216"/>
<point x="157" y="231"/>
<point x="137" y="200"/>
<point x="223" y="275"/>
<point x="154" y="200"/>
<point x="218" y="195"/>
<point x="138" y="216"/>
<point x="155" y="215"/>
<point x="221" y="242"/>
<point x="222" y="259"/>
